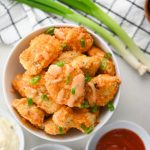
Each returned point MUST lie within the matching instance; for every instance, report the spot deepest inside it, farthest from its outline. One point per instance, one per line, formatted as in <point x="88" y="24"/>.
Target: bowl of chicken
<point x="61" y="82"/>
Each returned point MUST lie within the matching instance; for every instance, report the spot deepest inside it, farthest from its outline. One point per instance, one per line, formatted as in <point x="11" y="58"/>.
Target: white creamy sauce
<point x="8" y="138"/>
<point x="93" y="91"/>
<point x="54" y="70"/>
<point x="78" y="84"/>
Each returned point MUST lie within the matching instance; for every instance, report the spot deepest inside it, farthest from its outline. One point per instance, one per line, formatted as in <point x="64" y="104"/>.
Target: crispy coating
<point x="89" y="65"/>
<point x="104" y="89"/>
<point x="35" y="91"/>
<point x="70" y="118"/>
<point x="67" y="56"/>
<point x="61" y="80"/>
<point x="31" y="113"/>
<point x="51" y="128"/>
<point x="106" y="65"/>
<point x="43" y="50"/>
<point x="77" y="38"/>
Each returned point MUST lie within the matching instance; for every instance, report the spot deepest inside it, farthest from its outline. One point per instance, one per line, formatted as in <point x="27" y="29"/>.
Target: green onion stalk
<point x="94" y="10"/>
<point x="57" y="8"/>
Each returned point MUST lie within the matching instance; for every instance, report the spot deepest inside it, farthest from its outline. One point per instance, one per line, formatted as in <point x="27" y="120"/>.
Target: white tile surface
<point x="134" y="101"/>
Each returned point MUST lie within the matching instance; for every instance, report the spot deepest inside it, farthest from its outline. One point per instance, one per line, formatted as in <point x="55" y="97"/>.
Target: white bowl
<point x="16" y="127"/>
<point x="92" y="143"/>
<point x="51" y="147"/>
<point x="13" y="67"/>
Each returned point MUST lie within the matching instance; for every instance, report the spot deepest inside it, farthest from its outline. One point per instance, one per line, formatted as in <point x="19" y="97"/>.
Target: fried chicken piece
<point x="65" y="84"/>
<point x="30" y="112"/>
<point x="34" y="87"/>
<point x="69" y="118"/>
<point x="43" y="50"/>
<point x="102" y="89"/>
<point x="106" y="64"/>
<point x="67" y="56"/>
<point x="51" y="128"/>
<point x="89" y="65"/>
<point x="76" y="38"/>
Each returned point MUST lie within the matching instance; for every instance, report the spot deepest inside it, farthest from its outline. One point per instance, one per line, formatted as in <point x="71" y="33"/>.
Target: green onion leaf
<point x="73" y="91"/>
<point x="103" y="64"/>
<point x="82" y="42"/>
<point x="87" y="78"/>
<point x="60" y="63"/>
<point x="110" y="106"/>
<point x="85" y="104"/>
<point x="87" y="130"/>
<point x="64" y="45"/>
<point x="94" y="109"/>
<point x="108" y="55"/>
<point x="35" y="80"/>
<point x="60" y="130"/>
<point x="30" y="101"/>
<point x="50" y="31"/>
<point x="68" y="79"/>
<point x="44" y="97"/>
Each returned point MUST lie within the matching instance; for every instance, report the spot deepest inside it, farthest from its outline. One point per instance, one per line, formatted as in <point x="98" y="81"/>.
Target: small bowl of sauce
<point x="121" y="135"/>
<point x="147" y="9"/>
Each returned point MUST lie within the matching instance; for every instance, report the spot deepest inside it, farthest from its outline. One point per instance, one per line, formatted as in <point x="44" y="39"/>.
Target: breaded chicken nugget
<point x="102" y="89"/>
<point x="29" y="111"/>
<point x="65" y="84"/>
<point x="42" y="51"/>
<point x="34" y="87"/>
<point x="51" y="128"/>
<point x="89" y="65"/>
<point x="77" y="38"/>
<point x="69" y="118"/>
<point x="67" y="56"/>
<point x="106" y="64"/>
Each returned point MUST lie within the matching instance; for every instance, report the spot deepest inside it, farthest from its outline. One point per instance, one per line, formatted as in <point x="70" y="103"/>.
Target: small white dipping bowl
<point x="13" y="67"/>
<point x="93" y="141"/>
<point x="16" y="127"/>
<point x="51" y="147"/>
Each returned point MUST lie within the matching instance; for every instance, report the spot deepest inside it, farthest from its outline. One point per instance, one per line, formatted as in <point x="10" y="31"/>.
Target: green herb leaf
<point x="94" y="109"/>
<point x="64" y="45"/>
<point x="103" y="64"/>
<point x="60" y="63"/>
<point x="50" y="31"/>
<point x="35" y="80"/>
<point x="110" y="106"/>
<point x="30" y="101"/>
<point x="44" y="97"/>
<point x="73" y="91"/>
<point x="87" y="130"/>
<point x="108" y="55"/>
<point x="87" y="78"/>
<point x="60" y="130"/>
<point x="82" y="42"/>
<point x="85" y="104"/>
<point x="68" y="79"/>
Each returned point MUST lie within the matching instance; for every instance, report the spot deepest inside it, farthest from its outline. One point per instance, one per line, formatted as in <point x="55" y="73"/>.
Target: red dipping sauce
<point x="120" y="139"/>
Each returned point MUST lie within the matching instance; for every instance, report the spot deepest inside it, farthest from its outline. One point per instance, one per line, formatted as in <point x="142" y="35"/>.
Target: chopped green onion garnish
<point x="60" y="63"/>
<point x="35" y="80"/>
<point x="60" y="130"/>
<point x="85" y="104"/>
<point x="110" y="106"/>
<point x="87" y="78"/>
<point x="87" y="130"/>
<point x="44" y="97"/>
<point x="73" y="91"/>
<point x="108" y="55"/>
<point x="50" y="31"/>
<point x="64" y="45"/>
<point x="82" y="42"/>
<point x="103" y="64"/>
<point x="68" y="79"/>
<point x="94" y="109"/>
<point x="30" y="101"/>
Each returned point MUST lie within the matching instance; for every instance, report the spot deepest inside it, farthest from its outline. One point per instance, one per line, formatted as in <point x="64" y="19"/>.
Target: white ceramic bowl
<point x="17" y="128"/>
<point x="51" y="147"/>
<point x="13" y="67"/>
<point x="91" y="145"/>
